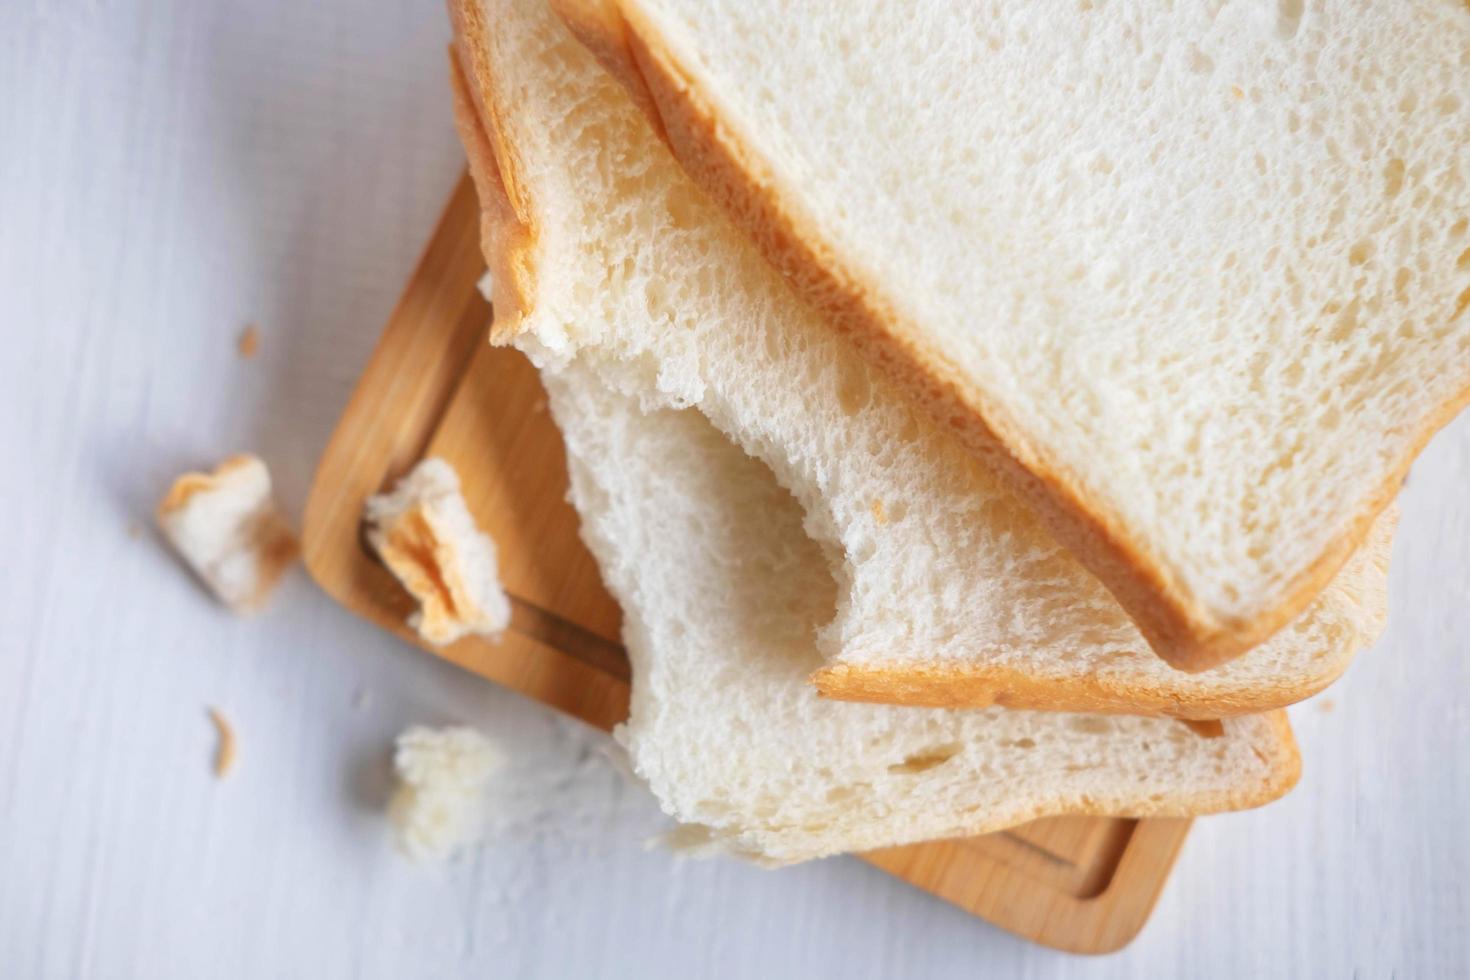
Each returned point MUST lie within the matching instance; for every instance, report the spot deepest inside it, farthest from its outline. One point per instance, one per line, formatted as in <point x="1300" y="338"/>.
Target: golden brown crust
<point x="507" y="229"/>
<point x="187" y="485"/>
<point x="1178" y="627"/>
<point x="973" y="685"/>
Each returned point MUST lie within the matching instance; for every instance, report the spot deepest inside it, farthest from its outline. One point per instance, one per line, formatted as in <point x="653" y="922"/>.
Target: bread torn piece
<point x="427" y="537"/>
<point x="439" y="804"/>
<point x="225" y="526"/>
<point x="224" y="751"/>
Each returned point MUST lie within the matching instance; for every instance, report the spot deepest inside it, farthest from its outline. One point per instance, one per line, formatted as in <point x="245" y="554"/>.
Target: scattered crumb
<point x="1326" y="706"/>
<point x="879" y="514"/>
<point x="439" y="805"/>
<point x="249" y="341"/>
<point x="225" y="526"/>
<point x="428" y="539"/>
<point x="135" y="530"/>
<point x="224" y="751"/>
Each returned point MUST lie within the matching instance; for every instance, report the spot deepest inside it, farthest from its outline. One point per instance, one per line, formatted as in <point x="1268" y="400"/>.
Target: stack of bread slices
<point x="980" y="411"/>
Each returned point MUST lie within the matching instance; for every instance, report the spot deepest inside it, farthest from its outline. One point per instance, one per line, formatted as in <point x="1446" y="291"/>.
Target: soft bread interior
<point x="723" y="592"/>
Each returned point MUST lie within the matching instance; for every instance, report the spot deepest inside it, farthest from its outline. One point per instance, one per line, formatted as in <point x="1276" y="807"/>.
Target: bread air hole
<point x="1090" y="725"/>
<point x="1289" y="18"/>
<point x="1393" y="177"/>
<point x="1204" y="729"/>
<point x="1461" y="305"/>
<point x="923" y="761"/>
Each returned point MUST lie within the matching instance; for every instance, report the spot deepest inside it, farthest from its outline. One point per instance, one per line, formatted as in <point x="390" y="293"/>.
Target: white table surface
<point x="172" y="170"/>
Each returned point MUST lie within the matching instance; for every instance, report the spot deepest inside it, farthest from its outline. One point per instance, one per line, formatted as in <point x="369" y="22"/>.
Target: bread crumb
<point x="249" y="341"/>
<point x="428" y="539"/>
<point x="539" y="405"/>
<point x="225" y="526"/>
<point x="1326" y="706"/>
<point x="879" y="514"/>
<point x="438" y="807"/>
<point x="1237" y="91"/>
<point x="361" y="699"/>
<point x="224" y="750"/>
<point x="135" y="530"/>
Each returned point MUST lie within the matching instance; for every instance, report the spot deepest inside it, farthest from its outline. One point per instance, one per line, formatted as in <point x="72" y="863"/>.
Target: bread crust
<point x="508" y="232"/>
<point x="941" y="685"/>
<point x="1175" y="623"/>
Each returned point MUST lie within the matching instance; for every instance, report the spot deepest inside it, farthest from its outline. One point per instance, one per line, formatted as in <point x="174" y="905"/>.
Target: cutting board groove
<point x="434" y="387"/>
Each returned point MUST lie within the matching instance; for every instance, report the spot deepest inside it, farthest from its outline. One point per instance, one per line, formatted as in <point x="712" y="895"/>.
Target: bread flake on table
<point x="442" y="775"/>
<point x="226" y="527"/>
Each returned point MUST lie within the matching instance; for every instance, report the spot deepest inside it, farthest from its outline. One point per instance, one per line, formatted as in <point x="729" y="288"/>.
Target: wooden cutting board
<point x="435" y="387"/>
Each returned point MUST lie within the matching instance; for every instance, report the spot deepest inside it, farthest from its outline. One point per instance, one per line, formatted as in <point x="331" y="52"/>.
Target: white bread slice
<point x="428" y="538"/>
<point x="1194" y="277"/>
<point x="950" y="594"/>
<point x="722" y="593"/>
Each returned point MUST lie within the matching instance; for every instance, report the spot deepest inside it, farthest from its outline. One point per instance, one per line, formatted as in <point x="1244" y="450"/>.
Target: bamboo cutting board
<point x="434" y="387"/>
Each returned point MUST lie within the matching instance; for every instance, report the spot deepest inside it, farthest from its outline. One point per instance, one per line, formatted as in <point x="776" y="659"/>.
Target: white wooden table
<point x="171" y="171"/>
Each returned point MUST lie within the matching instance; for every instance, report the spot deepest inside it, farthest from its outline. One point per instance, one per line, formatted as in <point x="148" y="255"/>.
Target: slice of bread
<point x="722" y="592"/>
<point x="950" y="593"/>
<point x="1195" y="278"/>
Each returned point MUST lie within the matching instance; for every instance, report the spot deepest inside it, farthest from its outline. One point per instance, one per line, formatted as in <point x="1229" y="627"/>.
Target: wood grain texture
<point x="1085" y="885"/>
<point x="172" y="171"/>
<point x="396" y="416"/>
